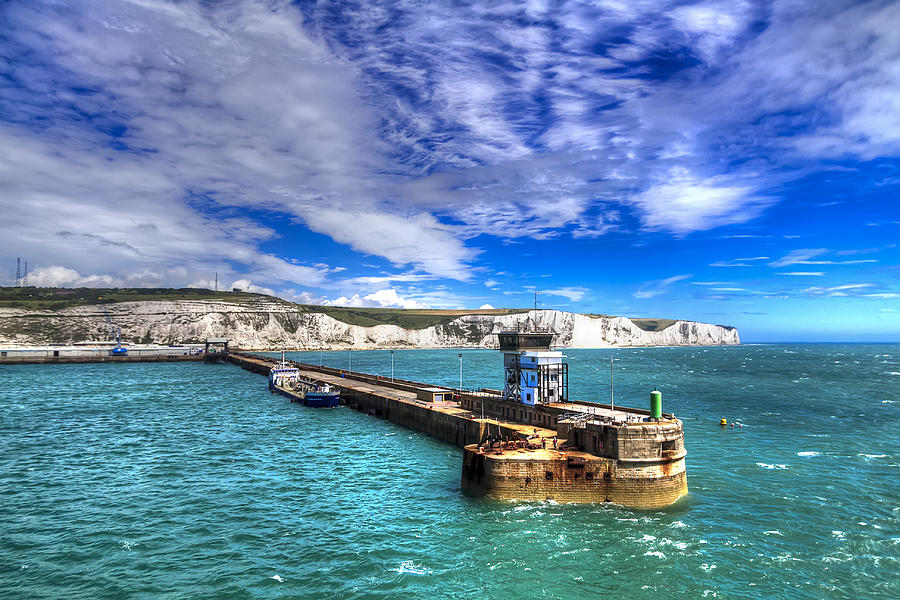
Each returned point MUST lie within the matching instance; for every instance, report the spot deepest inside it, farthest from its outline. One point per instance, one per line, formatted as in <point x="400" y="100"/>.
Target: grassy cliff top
<point x="54" y="299"/>
<point x="37" y="298"/>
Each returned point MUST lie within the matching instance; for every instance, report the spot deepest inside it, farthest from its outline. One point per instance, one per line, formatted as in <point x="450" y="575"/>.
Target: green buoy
<point x="656" y="404"/>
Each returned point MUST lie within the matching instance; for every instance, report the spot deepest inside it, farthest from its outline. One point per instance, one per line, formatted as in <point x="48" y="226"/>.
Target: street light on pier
<point x="392" y="366"/>
<point x="460" y="373"/>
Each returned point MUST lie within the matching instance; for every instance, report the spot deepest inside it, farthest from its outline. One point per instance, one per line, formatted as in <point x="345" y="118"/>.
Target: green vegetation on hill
<point x="35" y="298"/>
<point x="653" y="324"/>
<point x="55" y="299"/>
<point x="401" y="317"/>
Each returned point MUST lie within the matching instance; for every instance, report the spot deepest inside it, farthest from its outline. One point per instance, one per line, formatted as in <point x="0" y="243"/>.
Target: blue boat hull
<point x="322" y="400"/>
<point x="312" y="399"/>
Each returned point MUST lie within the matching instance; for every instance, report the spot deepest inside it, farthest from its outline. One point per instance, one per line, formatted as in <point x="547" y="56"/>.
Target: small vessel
<point x="323" y="396"/>
<point x="283" y="375"/>
<point x="285" y="379"/>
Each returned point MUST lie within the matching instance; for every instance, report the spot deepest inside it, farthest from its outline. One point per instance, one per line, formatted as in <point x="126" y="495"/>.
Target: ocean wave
<point x="277" y="578"/>
<point x="871" y="456"/>
<point x="768" y="466"/>
<point x="411" y="568"/>
<point x="656" y="553"/>
<point x="809" y="453"/>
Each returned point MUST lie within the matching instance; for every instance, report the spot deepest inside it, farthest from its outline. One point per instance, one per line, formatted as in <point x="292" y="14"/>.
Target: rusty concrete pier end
<point x="528" y="441"/>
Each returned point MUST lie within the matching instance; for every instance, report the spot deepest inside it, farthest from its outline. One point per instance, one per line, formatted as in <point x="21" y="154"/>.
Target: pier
<point x="98" y="352"/>
<point x="545" y="448"/>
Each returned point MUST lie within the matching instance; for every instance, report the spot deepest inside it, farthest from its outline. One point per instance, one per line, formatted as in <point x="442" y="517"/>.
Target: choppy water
<point x="192" y="481"/>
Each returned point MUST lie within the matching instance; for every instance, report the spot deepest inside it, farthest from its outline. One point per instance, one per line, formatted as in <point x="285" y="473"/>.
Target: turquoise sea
<point x="192" y="481"/>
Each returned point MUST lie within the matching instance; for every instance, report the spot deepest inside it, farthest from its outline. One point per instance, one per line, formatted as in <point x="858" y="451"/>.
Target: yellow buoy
<point x="723" y="421"/>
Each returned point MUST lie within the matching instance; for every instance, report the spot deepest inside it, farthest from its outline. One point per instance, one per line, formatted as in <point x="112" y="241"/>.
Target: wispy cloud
<point x="795" y="257"/>
<point x="804" y="256"/>
<point x="803" y="273"/>
<point x="652" y="289"/>
<point x="575" y="294"/>
<point x="738" y="262"/>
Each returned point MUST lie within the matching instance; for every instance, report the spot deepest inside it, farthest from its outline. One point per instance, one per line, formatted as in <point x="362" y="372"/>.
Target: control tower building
<point x="535" y="374"/>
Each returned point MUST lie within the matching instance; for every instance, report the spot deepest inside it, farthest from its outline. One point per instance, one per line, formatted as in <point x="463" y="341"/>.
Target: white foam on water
<point x="773" y="532"/>
<point x="668" y="542"/>
<point x="677" y="524"/>
<point x="809" y="453"/>
<point x="768" y="466"/>
<point x="277" y="578"/>
<point x="655" y="553"/>
<point x="838" y="535"/>
<point x="893" y="373"/>
<point x="410" y="568"/>
<point x="647" y="538"/>
<point x="871" y="456"/>
<point x="707" y="567"/>
<point x="887" y="401"/>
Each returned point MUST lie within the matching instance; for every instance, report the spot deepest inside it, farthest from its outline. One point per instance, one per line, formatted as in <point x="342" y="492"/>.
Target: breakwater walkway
<point x="400" y="402"/>
<point x="564" y="451"/>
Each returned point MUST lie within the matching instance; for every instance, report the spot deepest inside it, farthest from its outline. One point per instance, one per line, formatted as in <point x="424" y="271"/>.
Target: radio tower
<point x="25" y="276"/>
<point x="18" y="272"/>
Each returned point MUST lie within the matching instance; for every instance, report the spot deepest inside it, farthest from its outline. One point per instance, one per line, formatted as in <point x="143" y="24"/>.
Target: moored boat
<point x="283" y="375"/>
<point x="284" y="379"/>
<point x="322" y="397"/>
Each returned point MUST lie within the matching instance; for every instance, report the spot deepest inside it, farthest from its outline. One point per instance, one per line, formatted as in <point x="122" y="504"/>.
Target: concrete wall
<point x="81" y="354"/>
<point x="598" y="480"/>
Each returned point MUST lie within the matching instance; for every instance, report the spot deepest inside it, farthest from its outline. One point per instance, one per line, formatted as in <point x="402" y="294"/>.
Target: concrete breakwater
<point x="563" y="451"/>
<point x="98" y="353"/>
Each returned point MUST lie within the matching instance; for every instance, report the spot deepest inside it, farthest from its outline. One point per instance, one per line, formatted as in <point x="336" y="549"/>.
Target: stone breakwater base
<point x="602" y="454"/>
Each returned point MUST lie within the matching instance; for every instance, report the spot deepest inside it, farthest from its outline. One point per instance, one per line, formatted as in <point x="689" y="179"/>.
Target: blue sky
<point x="729" y="162"/>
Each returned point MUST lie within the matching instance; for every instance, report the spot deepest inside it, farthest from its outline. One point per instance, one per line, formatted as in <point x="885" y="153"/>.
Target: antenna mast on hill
<point x="536" y="300"/>
<point x="18" y="272"/>
<point x="25" y="277"/>
<point x="217" y="282"/>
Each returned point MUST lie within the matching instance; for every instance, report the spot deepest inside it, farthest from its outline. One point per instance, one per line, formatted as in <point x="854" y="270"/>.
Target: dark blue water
<point x="192" y="481"/>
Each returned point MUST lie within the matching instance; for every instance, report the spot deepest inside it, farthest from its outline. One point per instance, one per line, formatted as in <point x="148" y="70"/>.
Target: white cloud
<point x="54" y="277"/>
<point x="390" y="297"/>
<point x="485" y="307"/>
<point x="491" y="283"/>
<point x="652" y="289"/>
<point x="575" y="294"/>
<point x="714" y="24"/>
<point x="420" y="239"/>
<point x="245" y="285"/>
<point x="803" y="273"/>
<point x="685" y="204"/>
<point x="386" y="298"/>
<point x="797" y="257"/>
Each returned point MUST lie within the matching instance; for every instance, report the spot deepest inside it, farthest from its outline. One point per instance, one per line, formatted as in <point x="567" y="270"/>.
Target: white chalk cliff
<point x="271" y="325"/>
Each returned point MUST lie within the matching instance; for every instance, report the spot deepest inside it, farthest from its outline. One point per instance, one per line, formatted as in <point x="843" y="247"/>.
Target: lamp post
<point x="349" y="360"/>
<point x="392" y="366"/>
<point x="460" y="373"/>
<point x="612" y="402"/>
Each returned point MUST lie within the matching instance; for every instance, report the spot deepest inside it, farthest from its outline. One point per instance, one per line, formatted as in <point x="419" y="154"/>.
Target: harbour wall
<point x="459" y="429"/>
<point x="595" y="480"/>
<point x="89" y="354"/>
<point x="630" y="468"/>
